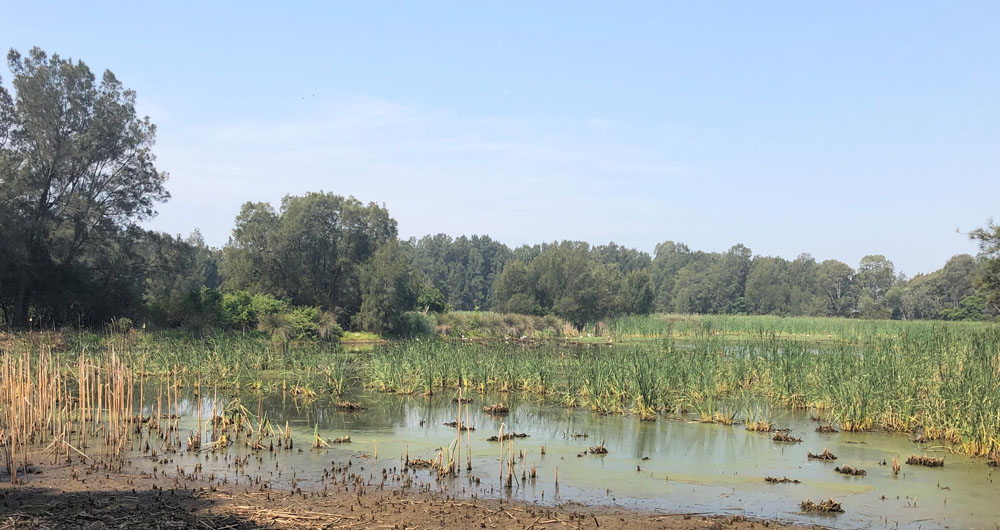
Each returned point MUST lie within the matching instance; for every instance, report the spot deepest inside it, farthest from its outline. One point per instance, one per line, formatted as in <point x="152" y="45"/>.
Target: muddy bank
<point x="66" y="497"/>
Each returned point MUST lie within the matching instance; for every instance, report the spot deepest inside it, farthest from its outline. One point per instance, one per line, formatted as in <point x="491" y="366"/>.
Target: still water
<point x="670" y="465"/>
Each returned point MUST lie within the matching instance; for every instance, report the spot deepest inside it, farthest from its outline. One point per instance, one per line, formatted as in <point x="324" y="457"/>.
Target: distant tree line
<point x="584" y="284"/>
<point x="78" y="177"/>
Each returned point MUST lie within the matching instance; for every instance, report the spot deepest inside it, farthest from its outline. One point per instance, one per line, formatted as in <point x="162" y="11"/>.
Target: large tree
<point x="988" y="281"/>
<point x="77" y="174"/>
<point x="311" y="252"/>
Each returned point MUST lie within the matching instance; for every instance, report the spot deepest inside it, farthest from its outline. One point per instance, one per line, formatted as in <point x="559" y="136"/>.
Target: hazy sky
<point x="841" y="129"/>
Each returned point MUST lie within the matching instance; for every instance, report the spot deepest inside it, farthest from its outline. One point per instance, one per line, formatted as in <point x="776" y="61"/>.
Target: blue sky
<point x="839" y="129"/>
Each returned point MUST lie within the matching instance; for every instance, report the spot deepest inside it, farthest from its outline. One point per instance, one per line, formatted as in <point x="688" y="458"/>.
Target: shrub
<point x="416" y="324"/>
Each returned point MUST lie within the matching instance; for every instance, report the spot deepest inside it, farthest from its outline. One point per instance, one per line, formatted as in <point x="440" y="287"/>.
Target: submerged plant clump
<point x="927" y="461"/>
<point x="848" y="470"/>
<point x="825" y="455"/>
<point x="785" y="436"/>
<point x="599" y="449"/>
<point x="496" y="409"/>
<point x="506" y="436"/>
<point x="782" y="480"/>
<point x="827" y="506"/>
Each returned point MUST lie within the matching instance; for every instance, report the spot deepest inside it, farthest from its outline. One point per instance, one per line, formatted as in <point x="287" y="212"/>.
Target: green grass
<point x="360" y="336"/>
<point x="938" y="380"/>
<point x="792" y="328"/>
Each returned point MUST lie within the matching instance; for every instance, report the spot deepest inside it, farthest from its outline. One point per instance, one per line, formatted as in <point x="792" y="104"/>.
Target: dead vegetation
<point x="496" y="409"/>
<point x="503" y="437"/>
<point x="599" y="449"/>
<point x="848" y="470"/>
<point x="827" y="506"/>
<point x="782" y="480"/>
<point x="926" y="461"/>
<point x="785" y="436"/>
<point x="349" y="406"/>
<point x="827" y="428"/>
<point x="825" y="455"/>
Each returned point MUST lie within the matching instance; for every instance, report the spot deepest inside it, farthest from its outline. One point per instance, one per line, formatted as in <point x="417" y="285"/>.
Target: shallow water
<point x="692" y="467"/>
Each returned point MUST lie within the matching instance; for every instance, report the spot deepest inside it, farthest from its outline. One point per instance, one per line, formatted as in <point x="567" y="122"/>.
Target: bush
<point x="416" y="324"/>
<point x="432" y="300"/>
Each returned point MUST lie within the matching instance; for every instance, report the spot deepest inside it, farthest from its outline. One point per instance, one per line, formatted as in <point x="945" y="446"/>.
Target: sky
<point x="840" y="129"/>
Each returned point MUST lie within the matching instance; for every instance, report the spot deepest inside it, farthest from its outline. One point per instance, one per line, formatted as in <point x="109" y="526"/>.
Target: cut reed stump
<point x="782" y="480"/>
<point x="784" y="436"/>
<point x="599" y="449"/>
<point x="349" y="405"/>
<point x="496" y="409"/>
<point x="848" y="470"/>
<point x="826" y="429"/>
<point x="419" y="463"/>
<point x="507" y="436"/>
<point x="827" y="506"/>
<point x="825" y="455"/>
<point x="927" y="461"/>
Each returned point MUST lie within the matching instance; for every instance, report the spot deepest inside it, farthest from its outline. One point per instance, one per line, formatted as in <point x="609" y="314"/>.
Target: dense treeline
<point x="77" y="179"/>
<point x="585" y="284"/>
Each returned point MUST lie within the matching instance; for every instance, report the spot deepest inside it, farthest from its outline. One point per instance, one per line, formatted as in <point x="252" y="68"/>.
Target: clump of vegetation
<point x="496" y="409"/>
<point x="825" y="455"/>
<point x="827" y="506"/>
<point x="352" y="406"/>
<point x="599" y="449"/>
<point x="927" y="461"/>
<point x="485" y="324"/>
<point x="503" y="437"/>
<point x="785" y="436"/>
<point x="848" y="470"/>
<point x="782" y="480"/>
<point x="826" y="429"/>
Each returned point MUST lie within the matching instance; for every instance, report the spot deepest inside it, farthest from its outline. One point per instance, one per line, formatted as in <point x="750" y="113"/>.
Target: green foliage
<point x="388" y="289"/>
<point x="988" y="280"/>
<point x="311" y="252"/>
<point x="568" y="280"/>
<point x="416" y="324"/>
<point x="432" y="300"/>
<point x="970" y="308"/>
<point x="463" y="269"/>
<point x="77" y="174"/>
<point x="474" y="324"/>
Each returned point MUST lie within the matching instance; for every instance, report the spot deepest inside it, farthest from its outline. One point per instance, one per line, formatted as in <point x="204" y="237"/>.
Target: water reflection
<point x="689" y="466"/>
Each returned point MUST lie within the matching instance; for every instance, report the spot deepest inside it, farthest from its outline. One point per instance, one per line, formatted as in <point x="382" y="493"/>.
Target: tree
<point x="388" y="289"/>
<point x="988" y="280"/>
<point x="875" y="276"/>
<point x="76" y="175"/>
<point x="311" y="252"/>
<point x="769" y="286"/>
<point x="836" y="283"/>
<point x="637" y="292"/>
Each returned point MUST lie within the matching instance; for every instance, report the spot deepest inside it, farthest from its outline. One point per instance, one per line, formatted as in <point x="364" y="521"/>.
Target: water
<point x="691" y="467"/>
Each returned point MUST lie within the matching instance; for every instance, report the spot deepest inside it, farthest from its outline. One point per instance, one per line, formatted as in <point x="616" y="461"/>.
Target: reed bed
<point x="943" y="383"/>
<point x="53" y="409"/>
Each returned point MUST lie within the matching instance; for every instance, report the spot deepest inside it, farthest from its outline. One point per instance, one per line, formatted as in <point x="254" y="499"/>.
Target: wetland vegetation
<point x="118" y="339"/>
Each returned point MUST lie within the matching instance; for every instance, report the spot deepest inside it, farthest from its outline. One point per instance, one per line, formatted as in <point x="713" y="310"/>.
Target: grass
<point x="940" y="381"/>
<point x="360" y="336"/>
<point x="660" y="326"/>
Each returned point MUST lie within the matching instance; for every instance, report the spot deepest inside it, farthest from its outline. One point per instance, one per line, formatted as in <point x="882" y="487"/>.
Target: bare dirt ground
<point x="70" y="497"/>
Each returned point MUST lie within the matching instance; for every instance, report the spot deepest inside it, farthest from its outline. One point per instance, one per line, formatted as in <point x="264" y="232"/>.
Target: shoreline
<point x="89" y="496"/>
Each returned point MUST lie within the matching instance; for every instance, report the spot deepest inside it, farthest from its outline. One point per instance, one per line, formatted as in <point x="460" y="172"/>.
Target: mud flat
<point x="68" y="497"/>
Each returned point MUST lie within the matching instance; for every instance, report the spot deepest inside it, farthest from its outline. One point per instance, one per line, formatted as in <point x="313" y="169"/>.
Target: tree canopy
<point x="78" y="177"/>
